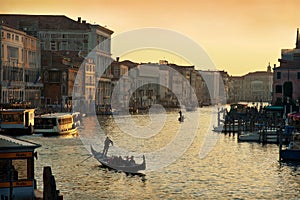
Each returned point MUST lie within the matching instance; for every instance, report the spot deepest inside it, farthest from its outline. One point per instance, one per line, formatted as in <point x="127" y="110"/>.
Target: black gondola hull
<point x="130" y="169"/>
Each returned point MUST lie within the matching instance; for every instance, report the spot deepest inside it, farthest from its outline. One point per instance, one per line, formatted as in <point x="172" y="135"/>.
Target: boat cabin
<point x="55" y="123"/>
<point x="17" y="121"/>
<point x="16" y="168"/>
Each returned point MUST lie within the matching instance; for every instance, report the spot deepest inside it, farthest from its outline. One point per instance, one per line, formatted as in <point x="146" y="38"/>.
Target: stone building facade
<point x="62" y="35"/>
<point x="287" y="76"/>
<point x="20" y="68"/>
<point x="252" y="87"/>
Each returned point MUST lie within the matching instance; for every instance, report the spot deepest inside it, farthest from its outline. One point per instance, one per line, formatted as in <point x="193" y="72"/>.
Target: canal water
<point x="207" y="166"/>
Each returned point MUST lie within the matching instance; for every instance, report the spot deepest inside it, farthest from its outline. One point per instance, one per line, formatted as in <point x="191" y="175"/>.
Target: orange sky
<point x="239" y="35"/>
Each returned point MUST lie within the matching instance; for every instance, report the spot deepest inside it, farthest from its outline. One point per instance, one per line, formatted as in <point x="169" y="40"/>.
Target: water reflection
<point x="231" y="170"/>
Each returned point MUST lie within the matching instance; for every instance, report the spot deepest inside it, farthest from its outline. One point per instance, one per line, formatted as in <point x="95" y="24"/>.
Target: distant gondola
<point x="106" y="162"/>
<point x="181" y="117"/>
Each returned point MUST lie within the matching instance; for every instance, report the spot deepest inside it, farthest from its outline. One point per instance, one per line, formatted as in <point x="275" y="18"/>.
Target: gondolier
<point x="107" y="142"/>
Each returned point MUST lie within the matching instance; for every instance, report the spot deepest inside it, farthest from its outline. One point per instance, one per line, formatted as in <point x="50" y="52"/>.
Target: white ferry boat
<point x="17" y="121"/>
<point x="55" y="124"/>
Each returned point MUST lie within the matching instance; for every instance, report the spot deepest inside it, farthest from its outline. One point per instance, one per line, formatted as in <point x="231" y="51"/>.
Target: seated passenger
<point x="131" y="161"/>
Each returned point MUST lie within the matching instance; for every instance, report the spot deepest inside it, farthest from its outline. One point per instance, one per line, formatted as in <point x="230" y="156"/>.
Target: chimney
<point x="117" y="58"/>
<point x="79" y="19"/>
<point x="83" y="21"/>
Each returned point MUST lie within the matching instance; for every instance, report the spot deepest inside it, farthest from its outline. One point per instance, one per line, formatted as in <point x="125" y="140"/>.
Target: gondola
<point x="133" y="169"/>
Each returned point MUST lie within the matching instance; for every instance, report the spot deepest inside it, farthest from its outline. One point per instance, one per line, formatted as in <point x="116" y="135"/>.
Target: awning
<point x="294" y="116"/>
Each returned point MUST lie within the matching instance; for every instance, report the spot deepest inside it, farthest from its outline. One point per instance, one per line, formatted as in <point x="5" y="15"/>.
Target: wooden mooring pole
<point x="239" y="129"/>
<point x="50" y="192"/>
<point x="280" y="142"/>
<point x="225" y="126"/>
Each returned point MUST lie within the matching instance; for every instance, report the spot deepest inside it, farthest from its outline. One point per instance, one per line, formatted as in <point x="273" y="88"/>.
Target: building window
<point x="64" y="76"/>
<point x="21" y="169"/>
<point x="53" y="45"/>
<point x="278" y="74"/>
<point x="278" y="89"/>
<point x="298" y="75"/>
<point x="43" y="45"/>
<point x="54" y="76"/>
<point x="48" y="100"/>
<point x="8" y="35"/>
<point x="63" y="45"/>
<point x="46" y="76"/>
<point x="17" y="38"/>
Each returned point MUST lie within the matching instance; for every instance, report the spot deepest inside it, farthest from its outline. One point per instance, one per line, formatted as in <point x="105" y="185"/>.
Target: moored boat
<point x="127" y="167"/>
<point x="104" y="110"/>
<point x="292" y="152"/>
<point x="17" y="121"/>
<point x="55" y="124"/>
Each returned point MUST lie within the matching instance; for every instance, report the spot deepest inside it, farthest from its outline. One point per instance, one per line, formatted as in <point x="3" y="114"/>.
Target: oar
<point x="85" y="159"/>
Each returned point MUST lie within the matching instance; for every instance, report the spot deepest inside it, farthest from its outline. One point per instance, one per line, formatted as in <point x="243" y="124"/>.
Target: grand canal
<point x="230" y="170"/>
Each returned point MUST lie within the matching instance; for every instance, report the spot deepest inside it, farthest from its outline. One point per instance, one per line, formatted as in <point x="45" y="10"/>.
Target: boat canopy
<point x="274" y="108"/>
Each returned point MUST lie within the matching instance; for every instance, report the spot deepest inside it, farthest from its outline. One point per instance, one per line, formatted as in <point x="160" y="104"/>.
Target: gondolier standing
<point x="107" y="142"/>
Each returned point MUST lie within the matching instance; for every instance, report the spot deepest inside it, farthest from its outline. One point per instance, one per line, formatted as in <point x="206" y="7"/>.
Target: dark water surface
<point x="231" y="170"/>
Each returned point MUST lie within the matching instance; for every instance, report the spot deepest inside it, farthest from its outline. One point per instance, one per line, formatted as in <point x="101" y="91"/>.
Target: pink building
<point x="287" y="76"/>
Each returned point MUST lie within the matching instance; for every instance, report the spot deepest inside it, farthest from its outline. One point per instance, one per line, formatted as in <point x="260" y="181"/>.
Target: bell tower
<point x="297" y="39"/>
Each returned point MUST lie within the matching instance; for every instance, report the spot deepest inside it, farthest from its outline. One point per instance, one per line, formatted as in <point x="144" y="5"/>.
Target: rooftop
<point x="47" y="22"/>
<point x="10" y="142"/>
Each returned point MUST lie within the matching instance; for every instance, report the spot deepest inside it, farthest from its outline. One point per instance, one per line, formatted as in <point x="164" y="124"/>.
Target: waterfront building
<point x="201" y="90"/>
<point x="58" y="33"/>
<point x="59" y="74"/>
<point x="145" y="84"/>
<point x="252" y="87"/>
<point x="183" y="83"/>
<point x="121" y="82"/>
<point x="216" y="87"/>
<point x="235" y="89"/>
<point x="145" y="79"/>
<point x="20" y="67"/>
<point x="84" y="85"/>
<point x="257" y="86"/>
<point x="287" y="76"/>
